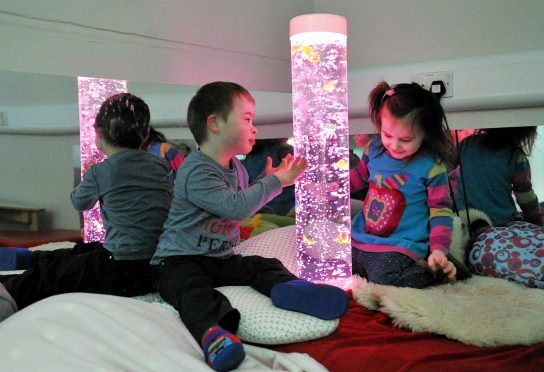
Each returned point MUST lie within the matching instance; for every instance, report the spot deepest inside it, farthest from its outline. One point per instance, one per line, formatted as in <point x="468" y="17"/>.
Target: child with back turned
<point x="255" y="163"/>
<point x="211" y="198"/>
<point x="134" y="192"/>
<point x="407" y="214"/>
<point x="495" y="165"/>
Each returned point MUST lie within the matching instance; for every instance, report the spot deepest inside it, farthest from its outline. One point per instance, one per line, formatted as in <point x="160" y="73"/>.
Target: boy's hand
<point x="289" y="170"/>
<point x="438" y="261"/>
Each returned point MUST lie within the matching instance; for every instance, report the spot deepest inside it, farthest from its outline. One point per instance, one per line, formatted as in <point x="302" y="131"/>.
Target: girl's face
<point x="401" y="138"/>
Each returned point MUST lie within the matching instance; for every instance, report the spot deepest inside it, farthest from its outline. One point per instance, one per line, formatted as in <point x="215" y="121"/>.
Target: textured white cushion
<point x="264" y="323"/>
<point x="261" y="322"/>
<point x="277" y="243"/>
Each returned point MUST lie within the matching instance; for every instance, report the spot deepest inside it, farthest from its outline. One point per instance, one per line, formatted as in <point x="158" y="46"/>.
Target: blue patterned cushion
<point x="514" y="252"/>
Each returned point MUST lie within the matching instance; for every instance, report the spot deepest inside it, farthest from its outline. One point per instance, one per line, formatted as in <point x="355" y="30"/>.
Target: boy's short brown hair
<point x="213" y="98"/>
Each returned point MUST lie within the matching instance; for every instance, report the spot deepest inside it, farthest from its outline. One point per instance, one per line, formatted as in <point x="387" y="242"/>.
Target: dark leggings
<point x="391" y="268"/>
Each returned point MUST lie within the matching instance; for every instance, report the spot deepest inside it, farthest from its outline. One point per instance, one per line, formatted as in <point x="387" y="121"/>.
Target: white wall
<point x="37" y="170"/>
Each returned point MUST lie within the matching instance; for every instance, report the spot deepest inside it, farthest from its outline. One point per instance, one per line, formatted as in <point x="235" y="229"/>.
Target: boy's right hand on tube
<point x="289" y="170"/>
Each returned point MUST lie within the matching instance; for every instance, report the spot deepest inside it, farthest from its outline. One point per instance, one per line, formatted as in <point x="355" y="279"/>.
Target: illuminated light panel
<point x="320" y="131"/>
<point x="92" y="92"/>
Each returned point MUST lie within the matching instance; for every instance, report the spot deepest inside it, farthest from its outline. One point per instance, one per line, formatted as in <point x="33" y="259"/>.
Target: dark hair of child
<point x="154" y="136"/>
<point x="213" y="98"/>
<point x="419" y="106"/>
<point x="121" y="127"/>
<point x="514" y="138"/>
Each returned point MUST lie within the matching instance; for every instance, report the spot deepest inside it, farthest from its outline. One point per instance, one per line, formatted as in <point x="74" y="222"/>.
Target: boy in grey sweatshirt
<point x="211" y="197"/>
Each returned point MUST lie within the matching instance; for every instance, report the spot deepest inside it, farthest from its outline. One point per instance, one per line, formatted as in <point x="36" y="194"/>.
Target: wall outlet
<point x="425" y="80"/>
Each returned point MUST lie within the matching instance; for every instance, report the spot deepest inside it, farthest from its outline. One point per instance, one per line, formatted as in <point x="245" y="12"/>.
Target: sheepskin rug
<point x="481" y="311"/>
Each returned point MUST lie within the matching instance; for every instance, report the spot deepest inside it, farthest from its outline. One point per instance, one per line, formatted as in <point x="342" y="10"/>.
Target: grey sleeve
<point x="85" y="195"/>
<point x="211" y="192"/>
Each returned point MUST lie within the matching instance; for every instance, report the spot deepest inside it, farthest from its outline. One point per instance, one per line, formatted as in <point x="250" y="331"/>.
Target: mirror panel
<point x="39" y="136"/>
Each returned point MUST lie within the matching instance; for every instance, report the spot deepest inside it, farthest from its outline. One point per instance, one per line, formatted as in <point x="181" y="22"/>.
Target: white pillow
<point x="277" y="243"/>
<point x="262" y="322"/>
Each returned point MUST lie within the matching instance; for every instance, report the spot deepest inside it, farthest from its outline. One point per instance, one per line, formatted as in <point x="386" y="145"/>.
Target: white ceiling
<point x="391" y="32"/>
<point x="380" y="32"/>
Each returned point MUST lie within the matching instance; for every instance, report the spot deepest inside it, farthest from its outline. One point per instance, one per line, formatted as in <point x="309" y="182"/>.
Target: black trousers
<point x="85" y="268"/>
<point x="62" y="252"/>
<point x="188" y="282"/>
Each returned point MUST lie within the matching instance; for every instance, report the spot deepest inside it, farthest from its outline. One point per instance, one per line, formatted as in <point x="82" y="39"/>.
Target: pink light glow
<point x="320" y="129"/>
<point x="91" y="93"/>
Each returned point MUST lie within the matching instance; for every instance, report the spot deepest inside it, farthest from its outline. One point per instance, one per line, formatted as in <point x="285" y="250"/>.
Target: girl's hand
<point x="289" y="170"/>
<point x="438" y="261"/>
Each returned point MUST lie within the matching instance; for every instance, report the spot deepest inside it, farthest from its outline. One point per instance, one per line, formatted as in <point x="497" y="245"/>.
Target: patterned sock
<point x="7" y="303"/>
<point x="223" y="350"/>
<point x="320" y="300"/>
<point x="15" y="258"/>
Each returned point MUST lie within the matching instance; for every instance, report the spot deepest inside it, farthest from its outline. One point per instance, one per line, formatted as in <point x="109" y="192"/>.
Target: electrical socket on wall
<point x="426" y="79"/>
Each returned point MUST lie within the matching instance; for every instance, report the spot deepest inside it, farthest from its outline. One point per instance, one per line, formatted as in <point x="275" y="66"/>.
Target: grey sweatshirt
<point x="209" y="204"/>
<point x="135" y="194"/>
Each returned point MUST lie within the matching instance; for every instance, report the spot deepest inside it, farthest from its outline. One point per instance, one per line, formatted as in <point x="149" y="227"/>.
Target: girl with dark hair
<point x="407" y="214"/>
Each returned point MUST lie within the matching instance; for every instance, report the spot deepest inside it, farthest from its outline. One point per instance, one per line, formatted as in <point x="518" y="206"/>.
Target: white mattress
<point x="90" y="332"/>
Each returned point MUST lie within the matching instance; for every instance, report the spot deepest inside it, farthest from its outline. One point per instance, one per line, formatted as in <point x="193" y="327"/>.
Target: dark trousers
<point x="62" y="252"/>
<point x="391" y="268"/>
<point x="89" y="269"/>
<point x="188" y="282"/>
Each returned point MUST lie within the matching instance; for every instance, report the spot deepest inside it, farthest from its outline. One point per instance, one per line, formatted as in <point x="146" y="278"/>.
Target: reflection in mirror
<point x="37" y="101"/>
<point x="40" y="134"/>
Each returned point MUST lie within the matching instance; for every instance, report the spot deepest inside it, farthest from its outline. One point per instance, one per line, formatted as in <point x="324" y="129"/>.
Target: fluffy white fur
<point x="481" y="311"/>
<point x="460" y="235"/>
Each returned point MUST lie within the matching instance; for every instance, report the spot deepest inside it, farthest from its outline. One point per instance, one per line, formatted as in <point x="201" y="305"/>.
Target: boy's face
<point x="239" y="132"/>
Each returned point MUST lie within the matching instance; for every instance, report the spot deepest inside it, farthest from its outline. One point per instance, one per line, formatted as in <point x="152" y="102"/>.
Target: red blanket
<point x="367" y="341"/>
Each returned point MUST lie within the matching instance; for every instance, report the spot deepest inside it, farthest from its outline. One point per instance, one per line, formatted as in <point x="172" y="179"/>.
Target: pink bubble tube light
<point x="91" y="93"/>
<point x="321" y="135"/>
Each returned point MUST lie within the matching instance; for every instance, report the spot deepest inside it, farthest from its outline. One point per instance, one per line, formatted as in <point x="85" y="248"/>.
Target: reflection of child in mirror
<point x="156" y="144"/>
<point x="362" y="140"/>
<point x="135" y="195"/>
<point x="494" y="166"/>
<point x="275" y="149"/>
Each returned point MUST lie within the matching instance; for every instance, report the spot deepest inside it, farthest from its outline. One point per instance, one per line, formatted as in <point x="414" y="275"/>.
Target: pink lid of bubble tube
<point x="318" y="23"/>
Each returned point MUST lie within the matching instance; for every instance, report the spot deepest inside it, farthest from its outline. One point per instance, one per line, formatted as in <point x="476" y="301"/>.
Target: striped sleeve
<point x="523" y="190"/>
<point x="440" y="213"/>
<point x="358" y="176"/>
<point x="173" y="157"/>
